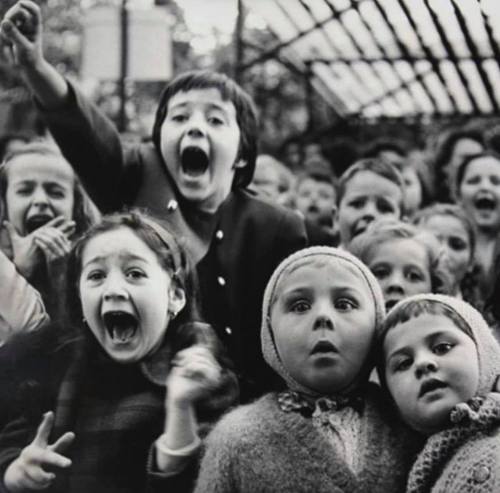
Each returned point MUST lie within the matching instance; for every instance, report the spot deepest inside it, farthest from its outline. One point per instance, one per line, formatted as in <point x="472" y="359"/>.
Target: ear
<point x="177" y="298"/>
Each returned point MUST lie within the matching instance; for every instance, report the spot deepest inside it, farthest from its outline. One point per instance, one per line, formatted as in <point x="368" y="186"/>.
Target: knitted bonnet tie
<point x="319" y="253"/>
<point x="488" y="350"/>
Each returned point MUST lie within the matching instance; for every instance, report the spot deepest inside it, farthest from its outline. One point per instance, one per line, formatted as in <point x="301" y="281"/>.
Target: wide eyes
<point x="340" y="304"/>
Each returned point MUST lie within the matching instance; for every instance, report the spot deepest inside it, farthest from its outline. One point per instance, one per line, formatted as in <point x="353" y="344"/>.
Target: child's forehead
<point x="317" y="267"/>
<point x="25" y="165"/>
<point x="208" y="96"/>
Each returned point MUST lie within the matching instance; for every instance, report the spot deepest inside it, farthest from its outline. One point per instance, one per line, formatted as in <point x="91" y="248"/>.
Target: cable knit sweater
<point x="261" y="448"/>
<point x="465" y="457"/>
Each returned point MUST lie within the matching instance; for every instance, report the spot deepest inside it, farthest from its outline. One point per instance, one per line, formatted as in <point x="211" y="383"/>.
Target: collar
<point x="291" y="401"/>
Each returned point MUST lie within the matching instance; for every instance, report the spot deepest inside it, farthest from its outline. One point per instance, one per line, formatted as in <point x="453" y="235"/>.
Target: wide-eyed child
<point x="440" y="363"/>
<point x="404" y="259"/>
<point x="369" y="189"/>
<point x="193" y="175"/>
<point x="329" y="430"/>
<point x="42" y="208"/>
<point x="117" y="400"/>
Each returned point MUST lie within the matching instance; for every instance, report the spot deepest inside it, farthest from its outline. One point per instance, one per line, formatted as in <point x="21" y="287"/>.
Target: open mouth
<point x="431" y="385"/>
<point x="194" y="161"/>
<point x="121" y="326"/>
<point x="485" y="203"/>
<point x="324" y="347"/>
<point x="35" y="222"/>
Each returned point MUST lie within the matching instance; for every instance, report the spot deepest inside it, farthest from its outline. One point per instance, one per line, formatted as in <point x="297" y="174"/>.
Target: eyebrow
<point x="429" y="337"/>
<point x="101" y="258"/>
<point x="211" y="106"/>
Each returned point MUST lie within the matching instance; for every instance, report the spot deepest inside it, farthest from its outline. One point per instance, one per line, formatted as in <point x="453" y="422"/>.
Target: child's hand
<point x="194" y="373"/>
<point x="51" y="239"/>
<point x="21" y="31"/>
<point x="27" y="471"/>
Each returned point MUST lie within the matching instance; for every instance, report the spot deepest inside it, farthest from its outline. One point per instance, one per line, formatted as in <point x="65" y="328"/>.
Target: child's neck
<point x="485" y="247"/>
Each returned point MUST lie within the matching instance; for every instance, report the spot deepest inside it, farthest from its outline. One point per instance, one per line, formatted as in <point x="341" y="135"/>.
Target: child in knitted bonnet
<point x="329" y="431"/>
<point x="440" y="363"/>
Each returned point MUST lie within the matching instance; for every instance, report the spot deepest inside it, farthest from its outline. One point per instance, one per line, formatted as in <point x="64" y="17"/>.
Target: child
<point x="453" y="228"/>
<point x="478" y="191"/>
<point x="329" y="430"/>
<point x="454" y="147"/>
<point x="315" y="199"/>
<point x="368" y="189"/>
<point x="440" y="362"/>
<point x="194" y="176"/>
<point x="42" y="208"/>
<point x="98" y="391"/>
<point x="404" y="259"/>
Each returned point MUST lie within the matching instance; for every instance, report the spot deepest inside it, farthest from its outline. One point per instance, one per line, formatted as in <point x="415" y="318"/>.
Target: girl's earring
<point x="172" y="314"/>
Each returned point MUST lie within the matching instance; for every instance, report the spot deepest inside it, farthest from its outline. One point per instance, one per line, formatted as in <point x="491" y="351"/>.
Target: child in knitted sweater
<point x="325" y="432"/>
<point x="440" y="362"/>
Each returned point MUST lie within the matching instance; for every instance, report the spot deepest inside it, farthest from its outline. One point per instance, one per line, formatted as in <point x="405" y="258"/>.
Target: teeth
<point x="121" y="326"/>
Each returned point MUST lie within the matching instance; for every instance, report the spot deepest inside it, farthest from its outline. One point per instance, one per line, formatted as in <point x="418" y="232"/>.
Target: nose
<point x="40" y="197"/>
<point x="115" y="289"/>
<point x="196" y="127"/>
<point x="424" y="366"/>
<point x="370" y="211"/>
<point x="395" y="284"/>
<point x="324" y="319"/>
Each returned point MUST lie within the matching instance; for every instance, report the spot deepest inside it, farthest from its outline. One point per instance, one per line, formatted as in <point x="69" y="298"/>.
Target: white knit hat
<point x="269" y="349"/>
<point x="488" y="350"/>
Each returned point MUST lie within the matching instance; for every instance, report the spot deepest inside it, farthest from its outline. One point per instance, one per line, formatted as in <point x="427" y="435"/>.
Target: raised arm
<point x="21" y="29"/>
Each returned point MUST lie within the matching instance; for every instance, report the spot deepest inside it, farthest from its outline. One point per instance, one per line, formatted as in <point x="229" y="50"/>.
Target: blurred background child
<point x="404" y="259"/>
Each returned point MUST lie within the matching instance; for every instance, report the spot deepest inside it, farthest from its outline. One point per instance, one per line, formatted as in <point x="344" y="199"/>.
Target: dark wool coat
<point x="259" y="448"/>
<point x="116" y="412"/>
<point x="247" y="237"/>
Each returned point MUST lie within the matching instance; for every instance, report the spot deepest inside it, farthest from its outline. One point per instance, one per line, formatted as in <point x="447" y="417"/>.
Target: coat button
<point x="481" y="474"/>
<point x="221" y="281"/>
<point x="228" y="331"/>
<point x="219" y="234"/>
<point x="172" y="205"/>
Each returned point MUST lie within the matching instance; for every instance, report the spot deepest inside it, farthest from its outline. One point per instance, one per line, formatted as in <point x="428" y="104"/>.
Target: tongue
<point x="194" y="161"/>
<point x="122" y="334"/>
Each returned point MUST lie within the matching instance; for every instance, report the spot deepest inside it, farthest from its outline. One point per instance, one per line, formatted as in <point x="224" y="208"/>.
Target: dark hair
<point x="443" y="156"/>
<point x="375" y="165"/>
<point x="413" y="309"/>
<point x="378" y="146"/>
<point x="246" y="115"/>
<point x="85" y="213"/>
<point x="465" y="163"/>
<point x="171" y="256"/>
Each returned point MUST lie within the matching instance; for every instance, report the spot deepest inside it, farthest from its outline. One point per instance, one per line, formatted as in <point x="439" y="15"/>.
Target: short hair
<point x="416" y="308"/>
<point x="375" y="165"/>
<point x="377" y="146"/>
<point x="385" y="229"/>
<point x="465" y="163"/>
<point x="85" y="213"/>
<point x="316" y="175"/>
<point x="246" y="115"/>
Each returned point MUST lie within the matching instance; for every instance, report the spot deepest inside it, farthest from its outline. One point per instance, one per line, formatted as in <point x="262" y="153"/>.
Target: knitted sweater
<point x="261" y="448"/>
<point x="463" y="458"/>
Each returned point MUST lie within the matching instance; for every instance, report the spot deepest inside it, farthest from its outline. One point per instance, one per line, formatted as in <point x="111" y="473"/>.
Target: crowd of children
<point x="186" y="315"/>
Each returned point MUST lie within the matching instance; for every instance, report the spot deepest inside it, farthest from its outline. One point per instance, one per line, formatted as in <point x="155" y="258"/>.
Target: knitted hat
<point x="331" y="254"/>
<point x="488" y="350"/>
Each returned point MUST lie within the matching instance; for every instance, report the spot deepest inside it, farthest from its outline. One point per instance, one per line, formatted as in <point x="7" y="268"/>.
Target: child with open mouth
<point x="329" y="430"/>
<point x="478" y="191"/>
<point x="42" y="208"/>
<point x="193" y="175"/>
<point x="440" y="363"/>
<point x="117" y="401"/>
